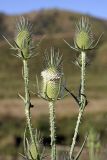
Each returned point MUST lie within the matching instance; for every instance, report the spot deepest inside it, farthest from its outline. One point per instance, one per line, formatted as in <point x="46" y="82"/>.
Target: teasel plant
<point x="83" y="42"/>
<point x="51" y="89"/>
<point x="23" y="44"/>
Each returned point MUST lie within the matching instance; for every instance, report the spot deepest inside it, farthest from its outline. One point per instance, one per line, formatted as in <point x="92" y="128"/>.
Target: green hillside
<point x="56" y="26"/>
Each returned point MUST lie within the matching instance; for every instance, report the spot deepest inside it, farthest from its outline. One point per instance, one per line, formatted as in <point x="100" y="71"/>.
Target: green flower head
<point x="23" y="38"/>
<point x="52" y="76"/>
<point x="84" y="36"/>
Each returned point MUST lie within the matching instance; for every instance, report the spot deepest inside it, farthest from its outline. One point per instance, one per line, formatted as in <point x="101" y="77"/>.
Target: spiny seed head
<point x="52" y="76"/>
<point x="84" y="36"/>
<point x="23" y="37"/>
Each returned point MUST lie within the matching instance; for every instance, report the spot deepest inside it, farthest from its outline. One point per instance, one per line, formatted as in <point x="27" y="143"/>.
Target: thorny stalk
<point x="27" y="97"/>
<point x="52" y="129"/>
<point x="82" y="103"/>
<point x="28" y="104"/>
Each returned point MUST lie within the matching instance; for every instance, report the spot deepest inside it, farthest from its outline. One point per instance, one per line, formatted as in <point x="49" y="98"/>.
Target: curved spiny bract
<point x="33" y="150"/>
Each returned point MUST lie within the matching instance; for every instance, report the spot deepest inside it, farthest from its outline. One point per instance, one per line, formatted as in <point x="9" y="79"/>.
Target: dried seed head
<point x="23" y="37"/>
<point x="84" y="36"/>
<point x="52" y="76"/>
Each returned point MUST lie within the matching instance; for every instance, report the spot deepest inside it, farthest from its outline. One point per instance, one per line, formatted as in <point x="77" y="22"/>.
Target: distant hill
<point x="56" y="25"/>
<point x="50" y="22"/>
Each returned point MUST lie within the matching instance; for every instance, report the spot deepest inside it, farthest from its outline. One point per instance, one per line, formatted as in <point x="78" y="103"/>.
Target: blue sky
<point x="96" y="8"/>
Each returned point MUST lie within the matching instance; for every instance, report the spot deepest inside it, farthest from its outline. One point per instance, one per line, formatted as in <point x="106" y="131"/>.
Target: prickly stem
<point x="27" y="101"/>
<point x="52" y="130"/>
<point x="82" y="104"/>
<point x="27" y="97"/>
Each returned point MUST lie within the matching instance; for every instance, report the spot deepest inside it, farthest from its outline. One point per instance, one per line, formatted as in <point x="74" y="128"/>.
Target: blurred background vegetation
<point x="51" y="27"/>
